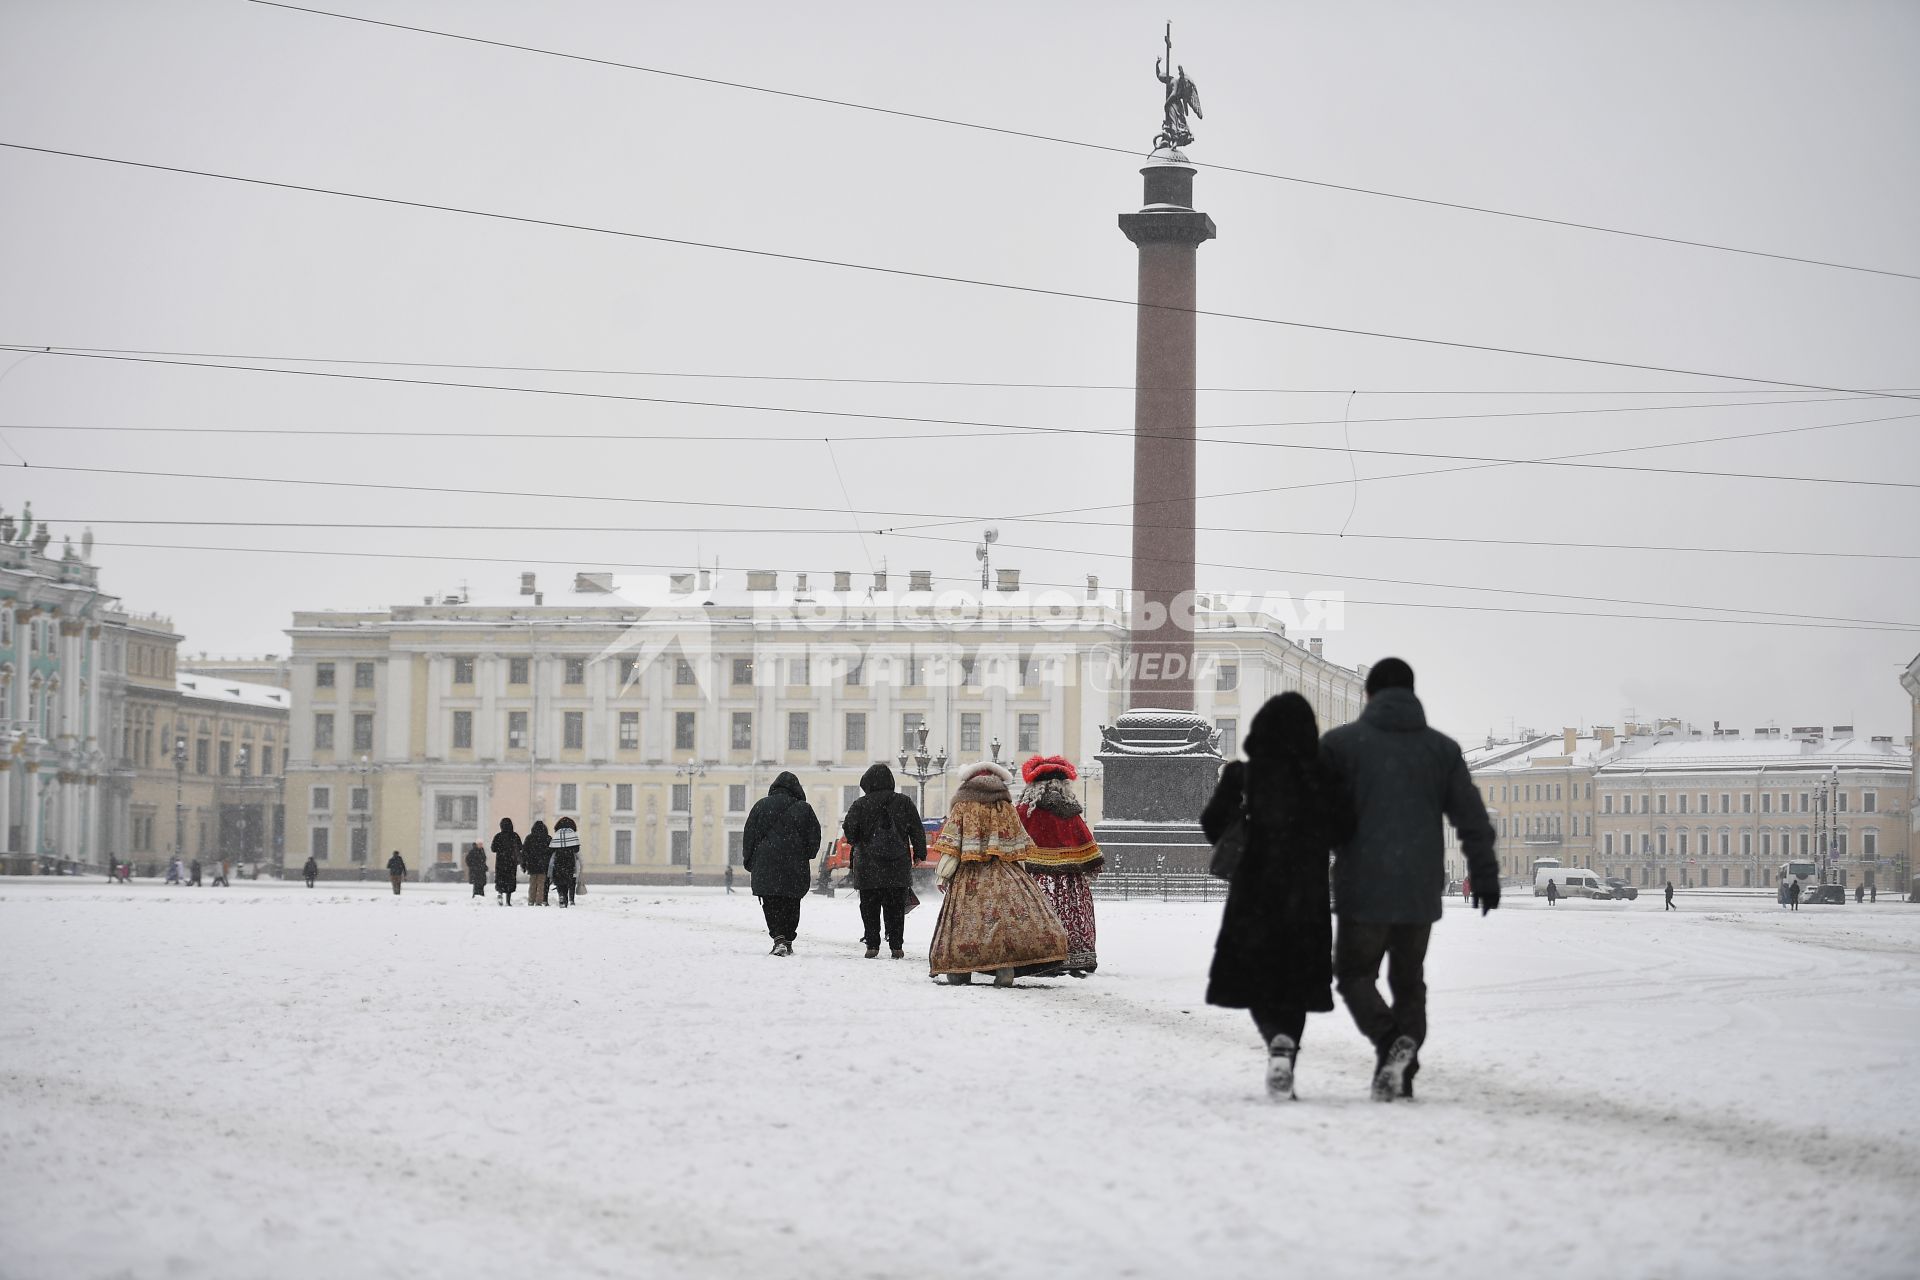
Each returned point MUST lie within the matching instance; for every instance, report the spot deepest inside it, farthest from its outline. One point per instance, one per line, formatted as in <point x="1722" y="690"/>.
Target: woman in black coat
<point x="536" y="853"/>
<point x="477" y="870"/>
<point x="781" y="836"/>
<point x="1275" y="951"/>
<point x="506" y="862"/>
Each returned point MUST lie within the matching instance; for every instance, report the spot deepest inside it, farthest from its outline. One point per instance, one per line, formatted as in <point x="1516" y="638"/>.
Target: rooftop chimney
<point x="1606" y="736"/>
<point x="1567" y="739"/>
<point x="1313" y="646"/>
<point x="1093" y="586"/>
<point x="1843" y="731"/>
<point x="842" y="580"/>
<point x="762" y="580"/>
<point x="593" y="583"/>
<point x="1006" y="579"/>
<point x="920" y="580"/>
<point x="880" y="580"/>
<point x="706" y="579"/>
<point x="680" y="583"/>
<point x="526" y="584"/>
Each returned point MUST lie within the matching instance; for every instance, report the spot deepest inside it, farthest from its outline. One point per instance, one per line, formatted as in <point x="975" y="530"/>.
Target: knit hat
<point x="1039" y="767"/>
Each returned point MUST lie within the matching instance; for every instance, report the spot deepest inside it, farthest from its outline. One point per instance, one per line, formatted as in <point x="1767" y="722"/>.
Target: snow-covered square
<point x="271" y="1080"/>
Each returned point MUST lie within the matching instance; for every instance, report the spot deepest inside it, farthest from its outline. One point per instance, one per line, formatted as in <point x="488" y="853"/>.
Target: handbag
<point x="1231" y="847"/>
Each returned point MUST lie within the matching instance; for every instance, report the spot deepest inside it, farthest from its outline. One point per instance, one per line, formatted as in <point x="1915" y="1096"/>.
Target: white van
<point x="1573" y="882"/>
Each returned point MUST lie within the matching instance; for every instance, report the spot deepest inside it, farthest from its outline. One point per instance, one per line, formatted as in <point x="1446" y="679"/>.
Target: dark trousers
<point x="1357" y="953"/>
<point x="396" y="882"/>
<point x="309" y="882"/>
<point x="890" y="904"/>
<point x="564" y="884"/>
<point x="479" y="879"/>
<point x="1279" y="1020"/>
<point x="783" y="917"/>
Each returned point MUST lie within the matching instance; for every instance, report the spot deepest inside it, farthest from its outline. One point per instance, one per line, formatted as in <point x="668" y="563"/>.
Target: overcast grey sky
<point x="1782" y="127"/>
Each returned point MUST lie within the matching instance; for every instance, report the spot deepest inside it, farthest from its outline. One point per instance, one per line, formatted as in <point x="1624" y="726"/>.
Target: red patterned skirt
<point x="1070" y="894"/>
<point x="994" y="917"/>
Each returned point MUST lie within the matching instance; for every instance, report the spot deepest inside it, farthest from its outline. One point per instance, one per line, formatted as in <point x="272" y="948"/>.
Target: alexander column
<point x="1159" y="756"/>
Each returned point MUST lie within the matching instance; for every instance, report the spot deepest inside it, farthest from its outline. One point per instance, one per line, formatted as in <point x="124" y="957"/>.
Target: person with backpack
<point x="536" y="854"/>
<point x="506" y="862"/>
<point x="566" y="859"/>
<point x="884" y="839"/>
<point x="782" y="835"/>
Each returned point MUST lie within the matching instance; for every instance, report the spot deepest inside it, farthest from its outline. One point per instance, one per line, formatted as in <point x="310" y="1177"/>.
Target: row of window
<point x="1704" y="845"/>
<point x="1869" y="802"/>
<point x="1529" y="792"/>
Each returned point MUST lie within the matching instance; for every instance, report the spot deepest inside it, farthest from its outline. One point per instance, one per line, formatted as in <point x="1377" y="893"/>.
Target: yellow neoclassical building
<point x="654" y="712"/>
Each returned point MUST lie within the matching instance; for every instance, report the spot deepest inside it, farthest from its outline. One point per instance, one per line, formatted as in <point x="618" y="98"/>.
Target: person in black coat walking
<point x="885" y="839"/>
<point x="396" y="871"/>
<point x="1274" y="956"/>
<point x="536" y="855"/>
<point x="506" y="862"/>
<point x="477" y="870"/>
<point x="1398" y="778"/>
<point x="1669" y="906"/>
<point x="311" y="870"/>
<point x="782" y="835"/>
<point x="1553" y="892"/>
<point x="566" y="859"/>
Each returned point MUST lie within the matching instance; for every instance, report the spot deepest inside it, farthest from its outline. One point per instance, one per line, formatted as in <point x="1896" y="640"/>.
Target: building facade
<point x="654" y="712"/>
<point x="1539" y="795"/>
<point x="1728" y="811"/>
<point x="53" y="688"/>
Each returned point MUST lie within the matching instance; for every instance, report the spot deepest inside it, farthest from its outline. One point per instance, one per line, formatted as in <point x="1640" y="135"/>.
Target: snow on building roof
<point x="1502" y="757"/>
<point x="234" y="692"/>
<point x="1721" y="755"/>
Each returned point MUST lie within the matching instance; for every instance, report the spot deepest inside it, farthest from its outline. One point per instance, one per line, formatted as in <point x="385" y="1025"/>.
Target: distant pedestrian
<point x="1466" y="889"/>
<point x="477" y="869"/>
<point x="566" y="859"/>
<point x="1065" y="857"/>
<point x="220" y="870"/>
<point x="174" y="873"/>
<point x="536" y="855"/>
<point x="884" y="840"/>
<point x="994" y="919"/>
<point x="1553" y="892"/>
<point x="311" y="871"/>
<point x="1793" y="895"/>
<point x="1398" y="777"/>
<point x="1783" y="893"/>
<point x="1274" y="955"/>
<point x="1669" y="906"/>
<point x="727" y="878"/>
<point x="193" y="873"/>
<point x="396" y="871"/>
<point x="1873" y="893"/>
<point x="1860" y="893"/>
<point x="507" y="851"/>
<point x="782" y="835"/>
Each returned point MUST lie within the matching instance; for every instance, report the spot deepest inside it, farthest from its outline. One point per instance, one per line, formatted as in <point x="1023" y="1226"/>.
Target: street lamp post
<point x="691" y="770"/>
<point x="364" y="815"/>
<point x="920" y="765"/>
<point x="179" y="797"/>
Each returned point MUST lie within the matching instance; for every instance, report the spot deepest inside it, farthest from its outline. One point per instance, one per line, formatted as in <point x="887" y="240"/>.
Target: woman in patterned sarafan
<point x="1065" y="857"/>
<point x="995" y="919"/>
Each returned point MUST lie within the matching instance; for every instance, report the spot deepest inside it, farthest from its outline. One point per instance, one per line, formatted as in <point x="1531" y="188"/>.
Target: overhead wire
<point x="1531" y="543"/>
<point x="928" y="118"/>
<point x="1348" y="600"/>
<point x="909" y="274"/>
<point x="575" y="370"/>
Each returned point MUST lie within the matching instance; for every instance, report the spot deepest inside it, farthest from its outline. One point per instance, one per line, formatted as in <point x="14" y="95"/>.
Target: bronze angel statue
<point x="1183" y="96"/>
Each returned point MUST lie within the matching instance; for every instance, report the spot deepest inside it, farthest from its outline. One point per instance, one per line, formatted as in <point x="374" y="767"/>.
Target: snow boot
<point x="899" y="954"/>
<point x="959" y="979"/>
<point x="777" y="942"/>
<point x="1280" y="1059"/>
<point x="1003" y="977"/>
<point x="1391" y="1075"/>
<point x="873" y="953"/>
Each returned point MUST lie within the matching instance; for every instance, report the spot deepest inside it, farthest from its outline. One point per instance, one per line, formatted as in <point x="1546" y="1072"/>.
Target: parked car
<point x="1621" y="889"/>
<point x="1829" y="893"/>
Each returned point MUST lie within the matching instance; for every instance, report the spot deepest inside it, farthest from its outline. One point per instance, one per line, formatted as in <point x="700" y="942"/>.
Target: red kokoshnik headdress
<point x="1040" y="767"/>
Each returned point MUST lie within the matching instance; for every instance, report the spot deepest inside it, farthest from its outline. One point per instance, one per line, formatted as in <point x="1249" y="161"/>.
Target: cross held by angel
<point x="1183" y="97"/>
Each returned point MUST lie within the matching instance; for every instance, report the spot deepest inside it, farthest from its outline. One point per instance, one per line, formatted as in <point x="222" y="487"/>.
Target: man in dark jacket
<point x="1400" y="778"/>
<point x="311" y="870"/>
<point x="885" y="836"/>
<point x="782" y="835"/>
<point x="396" y="870"/>
<point x="1669" y="906"/>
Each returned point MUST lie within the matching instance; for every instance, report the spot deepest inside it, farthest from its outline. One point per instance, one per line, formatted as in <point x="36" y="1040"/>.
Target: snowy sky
<point x="1781" y="127"/>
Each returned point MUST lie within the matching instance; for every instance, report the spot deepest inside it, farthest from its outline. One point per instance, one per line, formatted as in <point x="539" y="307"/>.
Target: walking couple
<point x="1373" y="792"/>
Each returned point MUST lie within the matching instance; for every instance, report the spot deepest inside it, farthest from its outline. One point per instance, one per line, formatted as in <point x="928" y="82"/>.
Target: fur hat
<point x="1040" y="767"/>
<point x="979" y="767"/>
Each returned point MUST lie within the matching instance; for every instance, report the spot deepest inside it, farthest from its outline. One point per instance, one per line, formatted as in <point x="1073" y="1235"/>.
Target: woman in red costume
<point x="1065" y="857"/>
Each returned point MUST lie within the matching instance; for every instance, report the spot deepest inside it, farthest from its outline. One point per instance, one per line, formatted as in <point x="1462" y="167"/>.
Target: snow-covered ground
<point x="272" y="1081"/>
